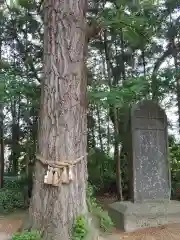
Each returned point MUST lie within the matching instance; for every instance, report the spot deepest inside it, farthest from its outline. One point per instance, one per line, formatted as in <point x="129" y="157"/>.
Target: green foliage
<point x="80" y="228"/>
<point x="17" y="183"/>
<point x="2" y="87"/>
<point x="13" y="195"/>
<point x="174" y="150"/>
<point x="105" y="222"/>
<point x="133" y="29"/>
<point x="91" y="200"/>
<point x="34" y="235"/>
<point x="20" y="3"/>
<point x="101" y="170"/>
<point x="10" y="200"/>
<point x="12" y="182"/>
<point x="118" y="96"/>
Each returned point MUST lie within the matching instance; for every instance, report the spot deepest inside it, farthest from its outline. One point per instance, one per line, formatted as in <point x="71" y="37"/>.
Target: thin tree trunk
<point x="93" y="137"/>
<point x="63" y="121"/>
<point x="108" y="135"/>
<point x="99" y="129"/>
<point x="116" y="125"/>
<point x="1" y="146"/>
<point x="1" y="129"/>
<point x="91" y="130"/>
<point x="122" y="55"/>
<point x="117" y="157"/>
<point x="177" y="76"/>
<point x="144" y="62"/>
<point x="104" y="73"/>
<point x="15" y="151"/>
<point x="155" y="88"/>
<point x="177" y="81"/>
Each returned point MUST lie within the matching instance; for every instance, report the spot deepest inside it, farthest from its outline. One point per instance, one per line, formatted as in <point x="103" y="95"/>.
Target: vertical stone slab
<point x="150" y="172"/>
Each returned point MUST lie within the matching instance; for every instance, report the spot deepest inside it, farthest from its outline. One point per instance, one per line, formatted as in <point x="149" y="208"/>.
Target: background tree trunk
<point x="1" y="145"/>
<point x="1" y="128"/>
<point x="63" y="121"/>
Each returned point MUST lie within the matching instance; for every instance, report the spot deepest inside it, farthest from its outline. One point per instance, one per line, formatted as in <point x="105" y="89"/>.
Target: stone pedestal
<point x="130" y="216"/>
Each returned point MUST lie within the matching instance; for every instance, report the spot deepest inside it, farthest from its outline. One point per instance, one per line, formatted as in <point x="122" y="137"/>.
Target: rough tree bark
<point x="62" y="128"/>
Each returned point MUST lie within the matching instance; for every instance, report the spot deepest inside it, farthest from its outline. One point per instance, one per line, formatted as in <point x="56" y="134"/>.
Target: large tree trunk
<point x="63" y="121"/>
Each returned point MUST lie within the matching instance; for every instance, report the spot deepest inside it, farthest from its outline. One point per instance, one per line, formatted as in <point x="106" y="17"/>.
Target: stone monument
<point x="149" y="172"/>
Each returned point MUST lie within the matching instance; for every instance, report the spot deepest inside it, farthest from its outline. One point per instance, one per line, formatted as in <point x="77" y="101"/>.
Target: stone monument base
<point x="130" y="216"/>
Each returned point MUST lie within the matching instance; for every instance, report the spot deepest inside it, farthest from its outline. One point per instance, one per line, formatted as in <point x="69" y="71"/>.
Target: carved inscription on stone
<point x="150" y="180"/>
<point x="151" y="167"/>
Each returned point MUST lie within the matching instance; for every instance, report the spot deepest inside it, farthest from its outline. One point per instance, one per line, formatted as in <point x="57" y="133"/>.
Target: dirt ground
<point x="11" y="223"/>
<point x="166" y="232"/>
